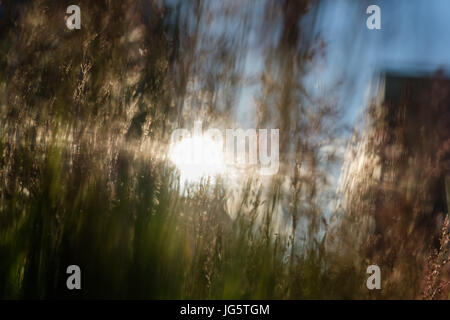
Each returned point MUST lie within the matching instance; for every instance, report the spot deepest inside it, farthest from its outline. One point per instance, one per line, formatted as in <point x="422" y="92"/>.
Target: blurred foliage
<point x="85" y="121"/>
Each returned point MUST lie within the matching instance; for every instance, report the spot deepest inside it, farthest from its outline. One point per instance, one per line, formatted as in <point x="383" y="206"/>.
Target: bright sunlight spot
<point x="197" y="157"/>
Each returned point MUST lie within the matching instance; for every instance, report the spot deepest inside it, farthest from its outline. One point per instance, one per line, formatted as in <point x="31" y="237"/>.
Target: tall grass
<point x="85" y="119"/>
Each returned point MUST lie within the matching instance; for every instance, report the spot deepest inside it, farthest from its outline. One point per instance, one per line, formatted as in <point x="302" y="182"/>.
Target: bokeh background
<point x="87" y="179"/>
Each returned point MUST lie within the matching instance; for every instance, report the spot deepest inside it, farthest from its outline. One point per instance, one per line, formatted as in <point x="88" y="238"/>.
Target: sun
<point x="197" y="157"/>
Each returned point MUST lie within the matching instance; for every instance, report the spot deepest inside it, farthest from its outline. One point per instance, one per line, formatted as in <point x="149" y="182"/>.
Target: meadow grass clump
<point x="135" y="234"/>
<point x="85" y="121"/>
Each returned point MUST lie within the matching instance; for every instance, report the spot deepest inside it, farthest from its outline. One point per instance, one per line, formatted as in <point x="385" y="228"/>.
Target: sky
<point x="414" y="37"/>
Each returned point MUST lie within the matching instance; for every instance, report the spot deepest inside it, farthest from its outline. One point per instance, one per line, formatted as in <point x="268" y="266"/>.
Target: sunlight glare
<point x="197" y="157"/>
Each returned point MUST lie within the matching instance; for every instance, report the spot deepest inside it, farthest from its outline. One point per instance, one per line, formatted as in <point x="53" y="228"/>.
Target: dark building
<point x="396" y="176"/>
<point x="414" y="147"/>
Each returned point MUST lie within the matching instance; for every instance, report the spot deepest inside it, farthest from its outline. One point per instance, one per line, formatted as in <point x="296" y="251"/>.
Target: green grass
<point x="135" y="235"/>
